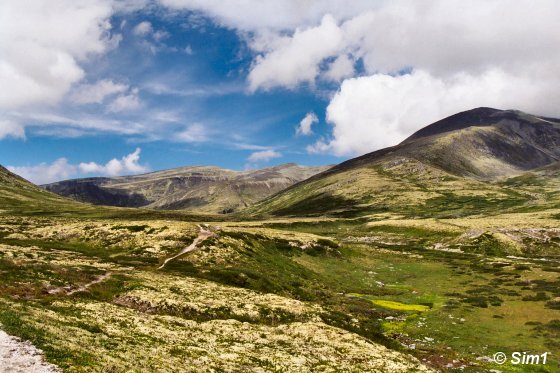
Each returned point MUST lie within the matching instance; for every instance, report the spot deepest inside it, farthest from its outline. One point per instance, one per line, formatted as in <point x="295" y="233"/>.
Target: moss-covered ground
<point x="381" y="283"/>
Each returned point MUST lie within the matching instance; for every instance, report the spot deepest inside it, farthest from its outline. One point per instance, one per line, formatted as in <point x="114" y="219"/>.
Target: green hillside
<point x="455" y="167"/>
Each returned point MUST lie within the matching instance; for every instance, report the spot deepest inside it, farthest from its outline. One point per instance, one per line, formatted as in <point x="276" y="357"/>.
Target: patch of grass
<point x="450" y="205"/>
<point x="323" y="204"/>
<point x="553" y="304"/>
<point x="398" y="306"/>
<point x="131" y="228"/>
<point x="540" y="296"/>
<point x="420" y="235"/>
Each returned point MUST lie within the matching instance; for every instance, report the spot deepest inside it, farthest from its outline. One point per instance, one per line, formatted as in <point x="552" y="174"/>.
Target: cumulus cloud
<point x="128" y="6"/>
<point x="388" y="36"/>
<point x="129" y="164"/>
<point x="418" y="61"/>
<point x="61" y="169"/>
<point x="160" y="35"/>
<point x="263" y="156"/>
<point x="305" y="124"/>
<point x="395" y="56"/>
<point x="97" y="92"/>
<point x="143" y="28"/>
<point x="381" y="110"/>
<point x="41" y="47"/>
<point x="46" y="173"/>
<point x="124" y="98"/>
<point x="341" y="67"/>
<point x="255" y="15"/>
<point x="296" y="59"/>
<point x="42" y="43"/>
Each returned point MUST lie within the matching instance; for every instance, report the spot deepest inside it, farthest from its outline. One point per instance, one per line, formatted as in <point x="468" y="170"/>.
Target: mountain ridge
<point x="204" y="188"/>
<point x="479" y="147"/>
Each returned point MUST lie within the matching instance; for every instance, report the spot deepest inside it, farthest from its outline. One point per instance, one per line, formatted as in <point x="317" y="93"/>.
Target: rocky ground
<point x="17" y="356"/>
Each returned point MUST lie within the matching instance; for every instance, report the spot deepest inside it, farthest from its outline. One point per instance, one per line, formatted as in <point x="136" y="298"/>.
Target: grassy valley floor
<point x="377" y="293"/>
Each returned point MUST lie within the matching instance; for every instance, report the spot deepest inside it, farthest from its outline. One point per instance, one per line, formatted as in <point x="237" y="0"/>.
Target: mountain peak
<point x="481" y="116"/>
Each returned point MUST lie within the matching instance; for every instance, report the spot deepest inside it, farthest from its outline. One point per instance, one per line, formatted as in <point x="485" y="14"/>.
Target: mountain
<point x="487" y="143"/>
<point x="454" y="164"/>
<point x="18" y="194"/>
<point x="208" y="189"/>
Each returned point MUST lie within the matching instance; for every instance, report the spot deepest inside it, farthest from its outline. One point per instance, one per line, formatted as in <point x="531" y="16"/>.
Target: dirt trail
<point x="17" y="356"/>
<point x="204" y="233"/>
<point x="70" y="291"/>
<point x="86" y="286"/>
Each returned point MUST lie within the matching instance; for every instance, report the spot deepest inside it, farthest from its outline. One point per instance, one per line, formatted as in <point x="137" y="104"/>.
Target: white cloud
<point x="88" y="124"/>
<point x="97" y="92"/>
<point x="161" y="35"/>
<point x="305" y="124"/>
<point x="11" y="128"/>
<point x="453" y="48"/>
<point x="439" y="36"/>
<point x="61" y="169"/>
<point x="461" y="54"/>
<point x="341" y="67"/>
<point x="129" y="6"/>
<point x="196" y="132"/>
<point x="152" y="40"/>
<point x="42" y="44"/>
<point x="126" y="165"/>
<point x="377" y="111"/>
<point x="125" y="102"/>
<point x="46" y="173"/>
<point x="41" y="48"/>
<point x="253" y="15"/>
<point x="241" y="144"/>
<point x="143" y="28"/>
<point x="297" y="58"/>
<point x="263" y="156"/>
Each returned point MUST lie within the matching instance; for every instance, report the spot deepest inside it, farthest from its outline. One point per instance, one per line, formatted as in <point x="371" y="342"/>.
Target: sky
<point x="120" y="87"/>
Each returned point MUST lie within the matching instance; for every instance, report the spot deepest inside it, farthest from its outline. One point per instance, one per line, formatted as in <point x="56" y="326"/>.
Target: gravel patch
<point x="21" y="356"/>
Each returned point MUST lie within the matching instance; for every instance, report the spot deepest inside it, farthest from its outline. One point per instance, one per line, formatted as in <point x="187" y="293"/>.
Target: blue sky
<point x="112" y="87"/>
<point x="194" y="75"/>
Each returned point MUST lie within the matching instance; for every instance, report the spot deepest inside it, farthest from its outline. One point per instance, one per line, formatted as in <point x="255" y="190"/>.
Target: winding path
<point x="204" y="233"/>
<point x="86" y="286"/>
<point x="69" y="291"/>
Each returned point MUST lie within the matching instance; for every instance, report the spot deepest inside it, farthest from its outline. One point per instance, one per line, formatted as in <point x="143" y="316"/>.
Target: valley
<point x="432" y="255"/>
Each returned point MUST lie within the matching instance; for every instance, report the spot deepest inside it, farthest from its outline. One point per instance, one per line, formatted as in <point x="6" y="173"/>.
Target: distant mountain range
<point x="201" y="188"/>
<point x="472" y="161"/>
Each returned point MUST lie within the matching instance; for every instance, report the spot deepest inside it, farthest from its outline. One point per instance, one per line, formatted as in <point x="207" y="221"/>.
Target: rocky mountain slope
<point x="208" y="189"/>
<point x="458" y="161"/>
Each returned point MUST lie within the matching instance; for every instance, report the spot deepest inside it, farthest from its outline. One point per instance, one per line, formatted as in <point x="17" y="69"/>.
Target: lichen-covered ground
<point x="383" y="293"/>
<point x="56" y="293"/>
